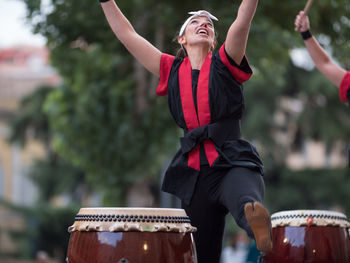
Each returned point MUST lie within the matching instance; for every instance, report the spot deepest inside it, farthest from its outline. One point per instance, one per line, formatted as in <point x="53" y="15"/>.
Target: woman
<point x="337" y="75"/>
<point x="215" y="171"/>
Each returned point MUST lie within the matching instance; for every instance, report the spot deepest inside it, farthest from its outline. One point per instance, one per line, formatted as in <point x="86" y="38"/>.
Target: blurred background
<point x="80" y="124"/>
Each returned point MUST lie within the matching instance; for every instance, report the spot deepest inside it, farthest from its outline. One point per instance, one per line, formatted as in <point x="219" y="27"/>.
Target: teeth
<point x="202" y="31"/>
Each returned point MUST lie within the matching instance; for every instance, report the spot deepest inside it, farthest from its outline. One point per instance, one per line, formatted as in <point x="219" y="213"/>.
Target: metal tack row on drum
<point x="309" y="236"/>
<point x="131" y="235"/>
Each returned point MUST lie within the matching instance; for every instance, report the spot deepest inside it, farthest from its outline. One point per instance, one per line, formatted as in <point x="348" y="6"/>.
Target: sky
<point x="14" y="30"/>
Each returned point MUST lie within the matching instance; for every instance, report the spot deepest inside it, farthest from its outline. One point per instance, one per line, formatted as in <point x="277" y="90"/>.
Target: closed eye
<point x="195" y="21"/>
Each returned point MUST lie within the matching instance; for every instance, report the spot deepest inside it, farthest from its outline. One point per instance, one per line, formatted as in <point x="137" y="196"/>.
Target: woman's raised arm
<point x="148" y="55"/>
<point x="237" y="35"/>
<point x="322" y="61"/>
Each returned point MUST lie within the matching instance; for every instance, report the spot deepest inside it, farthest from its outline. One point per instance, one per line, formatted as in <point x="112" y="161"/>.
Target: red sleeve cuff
<point x="166" y="62"/>
<point x="240" y="72"/>
<point x="344" y="87"/>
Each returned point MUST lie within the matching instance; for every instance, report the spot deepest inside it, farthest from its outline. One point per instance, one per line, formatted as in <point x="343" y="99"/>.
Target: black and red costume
<point x="344" y="89"/>
<point x="215" y="171"/>
<point x="344" y="94"/>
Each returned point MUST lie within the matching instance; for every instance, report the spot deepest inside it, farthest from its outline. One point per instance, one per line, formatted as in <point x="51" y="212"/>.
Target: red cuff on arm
<point x="344" y="86"/>
<point x="166" y="62"/>
<point x="240" y="72"/>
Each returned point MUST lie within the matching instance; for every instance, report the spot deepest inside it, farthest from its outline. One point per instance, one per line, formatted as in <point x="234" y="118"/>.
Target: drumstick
<point x="306" y="9"/>
<point x="307" y="6"/>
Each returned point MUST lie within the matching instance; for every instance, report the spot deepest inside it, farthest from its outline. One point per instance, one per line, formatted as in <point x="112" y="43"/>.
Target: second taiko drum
<point x="309" y="236"/>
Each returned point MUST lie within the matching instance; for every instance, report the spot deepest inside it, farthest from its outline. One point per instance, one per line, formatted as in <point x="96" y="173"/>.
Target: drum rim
<point x="306" y="213"/>
<point x="131" y="208"/>
<point x="144" y="219"/>
<point x="309" y="218"/>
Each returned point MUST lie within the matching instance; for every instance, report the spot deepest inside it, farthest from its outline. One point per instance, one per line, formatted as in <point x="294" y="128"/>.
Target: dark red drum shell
<point x="135" y="247"/>
<point x="316" y="244"/>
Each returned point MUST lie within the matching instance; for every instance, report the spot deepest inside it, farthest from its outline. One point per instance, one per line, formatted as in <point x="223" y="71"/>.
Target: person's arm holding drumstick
<point x="322" y="61"/>
<point x="148" y="55"/>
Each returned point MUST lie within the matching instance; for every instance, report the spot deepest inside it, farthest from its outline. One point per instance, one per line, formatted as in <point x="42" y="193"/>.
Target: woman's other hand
<point x="302" y="22"/>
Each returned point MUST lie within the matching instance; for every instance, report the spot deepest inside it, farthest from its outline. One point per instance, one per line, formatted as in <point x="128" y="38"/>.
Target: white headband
<point x="195" y="14"/>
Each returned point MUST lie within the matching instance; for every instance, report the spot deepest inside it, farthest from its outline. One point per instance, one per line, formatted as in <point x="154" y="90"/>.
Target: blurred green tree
<point x="52" y="174"/>
<point x="53" y="177"/>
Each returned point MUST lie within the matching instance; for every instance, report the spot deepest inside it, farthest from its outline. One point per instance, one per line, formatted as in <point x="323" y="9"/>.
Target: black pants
<point x="219" y="191"/>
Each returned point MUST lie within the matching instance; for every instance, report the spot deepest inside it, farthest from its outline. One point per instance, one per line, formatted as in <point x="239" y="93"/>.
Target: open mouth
<point x="202" y="32"/>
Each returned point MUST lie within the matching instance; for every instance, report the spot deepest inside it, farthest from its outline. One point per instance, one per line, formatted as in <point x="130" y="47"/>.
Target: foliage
<point x="51" y="224"/>
<point x="53" y="177"/>
<point x="96" y="128"/>
<point x="58" y="178"/>
<point x="46" y="231"/>
<point x="52" y="174"/>
<point x="31" y="119"/>
<point x="324" y="118"/>
<point x="320" y="189"/>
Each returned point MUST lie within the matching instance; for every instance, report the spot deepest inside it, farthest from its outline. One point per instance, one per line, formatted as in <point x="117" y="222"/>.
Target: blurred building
<point x="310" y="154"/>
<point x="22" y="70"/>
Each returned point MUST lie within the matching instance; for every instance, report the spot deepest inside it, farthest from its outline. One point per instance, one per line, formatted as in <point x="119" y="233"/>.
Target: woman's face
<point x="199" y="30"/>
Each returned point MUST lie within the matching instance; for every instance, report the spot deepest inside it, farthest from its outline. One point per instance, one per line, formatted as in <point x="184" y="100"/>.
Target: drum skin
<point x="130" y="247"/>
<point x="313" y="244"/>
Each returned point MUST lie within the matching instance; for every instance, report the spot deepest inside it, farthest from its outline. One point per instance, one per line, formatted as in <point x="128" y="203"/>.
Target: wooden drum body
<point x="131" y="235"/>
<point x="309" y="236"/>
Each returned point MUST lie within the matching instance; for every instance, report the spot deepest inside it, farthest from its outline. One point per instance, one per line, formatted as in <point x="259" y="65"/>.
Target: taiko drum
<point x="131" y="235"/>
<point x="309" y="236"/>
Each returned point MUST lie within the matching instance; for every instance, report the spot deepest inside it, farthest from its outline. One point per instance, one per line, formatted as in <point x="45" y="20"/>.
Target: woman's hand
<point x="302" y="22"/>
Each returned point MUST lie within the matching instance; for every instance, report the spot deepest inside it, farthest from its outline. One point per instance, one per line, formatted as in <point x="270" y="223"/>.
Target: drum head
<point x="115" y="219"/>
<point x="309" y="217"/>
